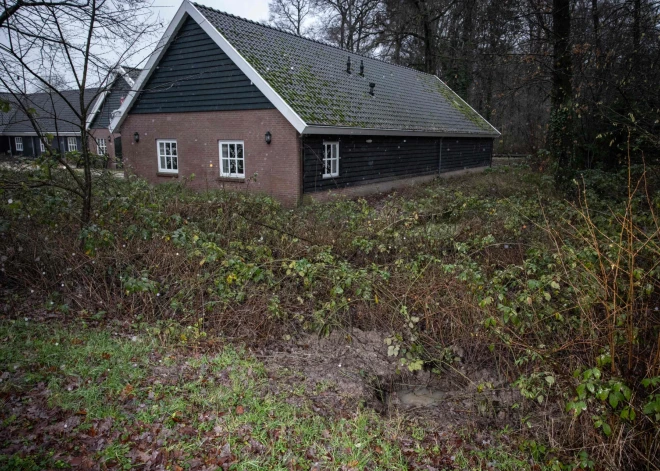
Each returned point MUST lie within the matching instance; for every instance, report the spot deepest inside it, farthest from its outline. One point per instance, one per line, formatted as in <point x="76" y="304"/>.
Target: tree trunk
<point x="561" y="125"/>
<point x="636" y="25"/>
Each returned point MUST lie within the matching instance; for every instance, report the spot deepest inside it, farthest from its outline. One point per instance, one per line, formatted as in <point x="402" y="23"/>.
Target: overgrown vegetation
<point x="560" y="295"/>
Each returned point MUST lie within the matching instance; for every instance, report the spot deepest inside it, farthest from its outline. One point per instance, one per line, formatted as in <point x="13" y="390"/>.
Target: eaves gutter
<point x="346" y="130"/>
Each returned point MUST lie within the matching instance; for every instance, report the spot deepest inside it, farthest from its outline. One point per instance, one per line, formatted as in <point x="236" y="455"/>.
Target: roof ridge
<point x="51" y="92"/>
<point x="258" y="23"/>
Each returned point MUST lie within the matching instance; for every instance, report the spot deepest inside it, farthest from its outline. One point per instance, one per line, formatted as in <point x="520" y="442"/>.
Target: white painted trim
<point x="149" y="68"/>
<point x="229" y="143"/>
<point x="263" y="86"/>
<point x="158" y="156"/>
<point x="125" y="76"/>
<point x="494" y="129"/>
<point x="331" y="174"/>
<point x="97" y="106"/>
<point x="332" y="130"/>
<point x="68" y="144"/>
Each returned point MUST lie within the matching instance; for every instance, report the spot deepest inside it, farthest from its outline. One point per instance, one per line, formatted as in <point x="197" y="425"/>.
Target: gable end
<point x="194" y="74"/>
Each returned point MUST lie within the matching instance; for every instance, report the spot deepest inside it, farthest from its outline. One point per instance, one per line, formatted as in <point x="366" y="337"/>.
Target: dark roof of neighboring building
<point x="311" y="78"/>
<point x="52" y="112"/>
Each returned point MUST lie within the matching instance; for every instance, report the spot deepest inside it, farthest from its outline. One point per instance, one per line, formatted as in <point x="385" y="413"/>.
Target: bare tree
<point x="350" y="24"/>
<point x="291" y="15"/>
<point x="51" y="46"/>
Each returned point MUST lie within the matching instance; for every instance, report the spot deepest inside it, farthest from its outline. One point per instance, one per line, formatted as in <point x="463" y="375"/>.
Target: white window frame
<point x="162" y="157"/>
<point x="236" y="159"/>
<point x="69" y="141"/>
<point x="328" y="159"/>
<point x="18" y="141"/>
<point x="101" y="149"/>
<point x="42" y="146"/>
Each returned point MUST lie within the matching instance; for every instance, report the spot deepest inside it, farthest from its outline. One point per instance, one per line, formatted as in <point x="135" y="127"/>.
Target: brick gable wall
<point x="277" y="166"/>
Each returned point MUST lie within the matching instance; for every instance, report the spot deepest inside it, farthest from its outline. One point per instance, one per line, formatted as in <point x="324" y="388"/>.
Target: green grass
<point x="205" y="402"/>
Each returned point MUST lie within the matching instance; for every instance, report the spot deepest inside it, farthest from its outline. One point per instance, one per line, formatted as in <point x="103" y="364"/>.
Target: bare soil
<point x="352" y="367"/>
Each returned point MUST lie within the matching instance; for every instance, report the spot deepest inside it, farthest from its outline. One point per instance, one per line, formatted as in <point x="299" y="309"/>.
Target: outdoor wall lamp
<point x="136" y="137"/>
<point x="269" y="137"/>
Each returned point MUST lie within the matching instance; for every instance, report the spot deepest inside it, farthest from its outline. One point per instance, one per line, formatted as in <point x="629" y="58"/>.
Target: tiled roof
<point x="311" y="78"/>
<point x="52" y="113"/>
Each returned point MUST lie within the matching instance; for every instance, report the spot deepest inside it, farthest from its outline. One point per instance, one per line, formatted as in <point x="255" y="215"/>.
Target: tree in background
<point x="350" y="24"/>
<point x="291" y="15"/>
<point x="80" y="43"/>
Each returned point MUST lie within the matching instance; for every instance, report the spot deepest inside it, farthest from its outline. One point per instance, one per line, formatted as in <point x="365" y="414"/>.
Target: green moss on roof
<point x="316" y="101"/>
<point x="310" y="77"/>
<point x="456" y="101"/>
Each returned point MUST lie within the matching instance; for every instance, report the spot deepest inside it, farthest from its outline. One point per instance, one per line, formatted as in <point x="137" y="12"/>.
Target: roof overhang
<point x="334" y="130"/>
<point x="189" y="9"/>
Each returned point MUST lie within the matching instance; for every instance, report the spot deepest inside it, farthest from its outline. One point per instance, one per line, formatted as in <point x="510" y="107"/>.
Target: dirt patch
<point x="352" y="367"/>
<point x="347" y="363"/>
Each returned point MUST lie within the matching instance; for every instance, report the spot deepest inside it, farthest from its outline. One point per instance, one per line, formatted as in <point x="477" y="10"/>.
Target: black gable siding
<point x="112" y="102"/>
<point x="371" y="159"/>
<point x="196" y="75"/>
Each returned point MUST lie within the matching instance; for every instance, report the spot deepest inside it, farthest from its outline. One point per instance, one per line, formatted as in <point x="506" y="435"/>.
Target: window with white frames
<point x="101" y="147"/>
<point x="330" y="159"/>
<point x="42" y="146"/>
<point x="19" y="144"/>
<point x="232" y="159"/>
<point x="72" y="144"/>
<point x="168" y="156"/>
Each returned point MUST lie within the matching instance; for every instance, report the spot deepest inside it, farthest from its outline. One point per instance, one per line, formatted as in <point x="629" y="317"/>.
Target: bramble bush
<point x="561" y="294"/>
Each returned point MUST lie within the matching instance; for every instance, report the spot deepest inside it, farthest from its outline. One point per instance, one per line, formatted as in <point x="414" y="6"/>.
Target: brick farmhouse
<point x="225" y="102"/>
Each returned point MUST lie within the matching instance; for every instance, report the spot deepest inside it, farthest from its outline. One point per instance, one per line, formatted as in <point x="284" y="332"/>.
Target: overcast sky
<point x="256" y="10"/>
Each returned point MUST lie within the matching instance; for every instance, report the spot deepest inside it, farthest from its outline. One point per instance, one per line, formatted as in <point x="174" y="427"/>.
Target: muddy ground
<point x="354" y="368"/>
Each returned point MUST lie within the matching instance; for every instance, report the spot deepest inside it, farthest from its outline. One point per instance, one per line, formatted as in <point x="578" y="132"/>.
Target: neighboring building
<point x="54" y="117"/>
<point x="101" y="114"/>
<point x="226" y="99"/>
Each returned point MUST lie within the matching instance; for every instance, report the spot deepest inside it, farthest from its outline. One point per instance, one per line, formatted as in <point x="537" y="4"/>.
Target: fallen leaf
<point x="240" y="410"/>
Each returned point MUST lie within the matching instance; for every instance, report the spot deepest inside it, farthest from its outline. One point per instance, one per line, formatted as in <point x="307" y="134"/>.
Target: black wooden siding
<point x="31" y="146"/>
<point x="389" y="158"/>
<point x="112" y="102"/>
<point x="462" y="153"/>
<point x="194" y="74"/>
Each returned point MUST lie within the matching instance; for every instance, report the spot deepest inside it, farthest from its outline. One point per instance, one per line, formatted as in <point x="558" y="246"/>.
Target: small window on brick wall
<point x="232" y="159"/>
<point x="102" y="147"/>
<point x="168" y="156"/>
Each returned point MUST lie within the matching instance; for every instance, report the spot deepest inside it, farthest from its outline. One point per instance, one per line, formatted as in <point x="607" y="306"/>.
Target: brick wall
<point x="277" y="166"/>
<point x="109" y="143"/>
